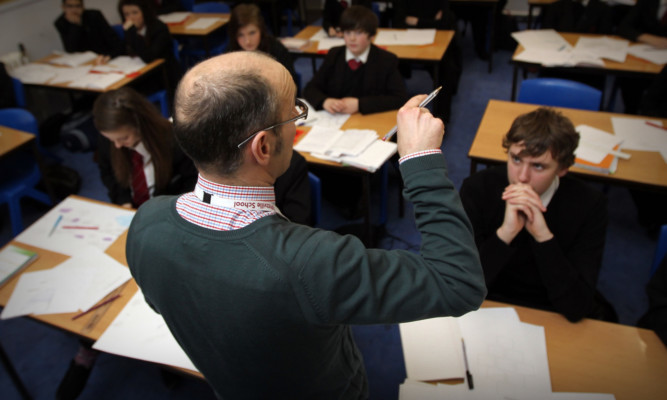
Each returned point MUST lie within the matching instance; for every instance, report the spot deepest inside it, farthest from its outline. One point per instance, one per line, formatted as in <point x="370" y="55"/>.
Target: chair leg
<point x="14" y="375"/>
<point x="39" y="196"/>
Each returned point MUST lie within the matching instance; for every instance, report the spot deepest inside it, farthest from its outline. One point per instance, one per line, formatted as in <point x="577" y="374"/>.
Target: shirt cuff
<point x="419" y="154"/>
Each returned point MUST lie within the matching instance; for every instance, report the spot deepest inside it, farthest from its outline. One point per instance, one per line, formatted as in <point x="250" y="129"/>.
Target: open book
<point x="359" y="148"/>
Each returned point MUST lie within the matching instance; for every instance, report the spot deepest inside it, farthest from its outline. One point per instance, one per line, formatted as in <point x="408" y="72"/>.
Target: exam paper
<point x="96" y="81"/>
<point x="203" y="23"/>
<point x="327" y="43"/>
<point x="604" y="47"/>
<point x="174" y="17"/>
<point x="541" y="39"/>
<point x="35" y="73"/>
<point x="649" y="53"/>
<point x="413" y="37"/>
<point x="141" y="333"/>
<point x="83" y="223"/>
<point x="74" y="59"/>
<point x="637" y="134"/>
<point x="122" y="64"/>
<point x="70" y="74"/>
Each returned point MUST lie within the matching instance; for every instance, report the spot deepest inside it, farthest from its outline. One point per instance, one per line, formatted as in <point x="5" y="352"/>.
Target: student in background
<point x="540" y="233"/>
<point x="87" y="30"/>
<point x="333" y="9"/>
<point x="435" y="14"/>
<point x="148" y="38"/>
<point x="132" y="127"/>
<point x="357" y="77"/>
<point x="247" y="31"/>
<point x="645" y="23"/>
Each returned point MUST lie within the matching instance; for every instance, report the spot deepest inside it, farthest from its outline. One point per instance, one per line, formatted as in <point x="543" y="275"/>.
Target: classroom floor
<point x="41" y="354"/>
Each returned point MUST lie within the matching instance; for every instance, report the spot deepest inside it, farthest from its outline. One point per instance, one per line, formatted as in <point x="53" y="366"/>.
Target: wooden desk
<point x="382" y="123"/>
<point x="430" y="54"/>
<point x="12" y="139"/>
<point x="600" y="357"/>
<point x="182" y="30"/>
<point x="589" y="356"/>
<point x="632" y="66"/>
<point x="148" y="68"/>
<point x="644" y="168"/>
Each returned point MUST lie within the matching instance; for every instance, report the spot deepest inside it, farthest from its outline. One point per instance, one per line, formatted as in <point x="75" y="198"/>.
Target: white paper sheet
<point x="70" y="74"/>
<point x="74" y="59"/>
<point x="96" y="81"/>
<point x="121" y="64"/>
<point x="595" y="144"/>
<point x="604" y="47"/>
<point x="141" y="333"/>
<point x="327" y="43"/>
<point x="637" y="134"/>
<point x="174" y="17"/>
<point x="411" y="37"/>
<point x="649" y="53"/>
<point x="203" y="23"/>
<point x="35" y="73"/>
<point x="541" y="39"/>
<point x="110" y="222"/>
<point x="432" y="349"/>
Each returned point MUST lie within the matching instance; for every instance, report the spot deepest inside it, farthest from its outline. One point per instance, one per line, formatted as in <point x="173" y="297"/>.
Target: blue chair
<point x="660" y="250"/>
<point x="315" y="198"/>
<point x="19" y="93"/>
<point x="194" y="48"/>
<point x="25" y="173"/>
<point x="159" y="98"/>
<point x="559" y="93"/>
<point x="120" y="32"/>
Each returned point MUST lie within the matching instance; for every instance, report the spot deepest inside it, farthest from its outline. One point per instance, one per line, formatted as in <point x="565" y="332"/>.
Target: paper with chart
<point x="141" y="333"/>
<point x="76" y="284"/>
<point x="74" y="224"/>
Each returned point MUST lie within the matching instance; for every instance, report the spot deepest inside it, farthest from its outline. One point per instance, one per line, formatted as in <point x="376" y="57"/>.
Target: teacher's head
<point x="225" y="110"/>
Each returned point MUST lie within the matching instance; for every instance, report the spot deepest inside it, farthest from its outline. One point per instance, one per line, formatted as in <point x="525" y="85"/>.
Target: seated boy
<point x="540" y="234"/>
<point x="84" y="30"/>
<point x="357" y="77"/>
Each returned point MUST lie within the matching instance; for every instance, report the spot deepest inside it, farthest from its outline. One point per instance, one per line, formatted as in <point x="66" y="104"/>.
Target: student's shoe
<point x="73" y="382"/>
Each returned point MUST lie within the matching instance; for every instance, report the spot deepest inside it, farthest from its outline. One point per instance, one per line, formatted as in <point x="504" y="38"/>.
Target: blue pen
<point x="55" y="225"/>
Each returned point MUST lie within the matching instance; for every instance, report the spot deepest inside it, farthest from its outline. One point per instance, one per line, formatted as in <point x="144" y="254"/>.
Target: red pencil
<point x="79" y="227"/>
<point x="655" y="125"/>
<point x="93" y="308"/>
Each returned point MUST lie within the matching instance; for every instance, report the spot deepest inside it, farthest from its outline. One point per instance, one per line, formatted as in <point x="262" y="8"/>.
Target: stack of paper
<point x="506" y="357"/>
<point x="13" y="260"/>
<point x="356" y="147"/>
<point x="598" y="150"/>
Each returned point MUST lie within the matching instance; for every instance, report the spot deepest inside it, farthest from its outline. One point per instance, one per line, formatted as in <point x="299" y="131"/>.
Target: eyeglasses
<point x="303" y="114"/>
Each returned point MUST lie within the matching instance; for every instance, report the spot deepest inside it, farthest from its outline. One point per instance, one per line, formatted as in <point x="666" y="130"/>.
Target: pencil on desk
<point x="55" y="225"/>
<point x="93" y="308"/>
<point x="80" y="227"/>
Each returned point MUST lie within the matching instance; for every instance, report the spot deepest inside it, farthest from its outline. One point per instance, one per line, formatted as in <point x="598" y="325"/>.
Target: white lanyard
<point x="239" y="204"/>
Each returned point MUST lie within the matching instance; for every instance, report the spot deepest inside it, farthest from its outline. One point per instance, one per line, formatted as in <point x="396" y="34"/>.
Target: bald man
<point x="262" y="306"/>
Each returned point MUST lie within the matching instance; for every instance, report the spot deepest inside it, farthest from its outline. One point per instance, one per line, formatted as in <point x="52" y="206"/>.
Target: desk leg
<point x="473" y="166"/>
<point x="14" y="375"/>
<point x="530" y="16"/>
<point x="515" y="72"/>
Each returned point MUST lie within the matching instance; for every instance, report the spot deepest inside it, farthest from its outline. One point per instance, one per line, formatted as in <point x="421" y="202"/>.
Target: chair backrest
<point x="188" y="4"/>
<point x="159" y="98"/>
<point x="19" y="93"/>
<point x="19" y="118"/>
<point x="120" y="32"/>
<point x="211" y="7"/>
<point x="177" y="52"/>
<point x="559" y="93"/>
<point x="315" y="198"/>
<point x="660" y="249"/>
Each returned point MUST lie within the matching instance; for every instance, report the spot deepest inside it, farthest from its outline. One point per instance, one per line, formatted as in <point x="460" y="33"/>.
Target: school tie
<point x="139" y="186"/>
<point x="354" y="64"/>
<point x="343" y="3"/>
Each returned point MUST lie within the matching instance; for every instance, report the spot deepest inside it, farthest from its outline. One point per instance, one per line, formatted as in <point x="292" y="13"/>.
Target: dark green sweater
<point x="263" y="311"/>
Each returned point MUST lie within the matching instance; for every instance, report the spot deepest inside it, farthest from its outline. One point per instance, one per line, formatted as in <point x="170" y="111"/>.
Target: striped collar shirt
<point x="193" y="209"/>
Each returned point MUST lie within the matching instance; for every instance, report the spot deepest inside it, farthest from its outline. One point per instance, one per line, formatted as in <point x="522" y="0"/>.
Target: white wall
<point x="31" y="22"/>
